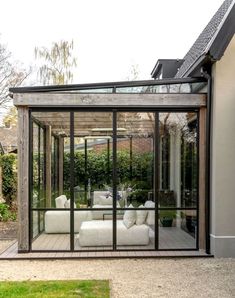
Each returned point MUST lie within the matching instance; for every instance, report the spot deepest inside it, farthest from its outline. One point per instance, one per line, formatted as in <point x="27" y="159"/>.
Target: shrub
<point x="9" y="177"/>
<point x="5" y="213"/>
<point x="97" y="169"/>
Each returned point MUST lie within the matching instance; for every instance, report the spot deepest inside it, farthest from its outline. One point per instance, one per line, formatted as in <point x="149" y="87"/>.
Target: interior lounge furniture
<point x="100" y="233"/>
<point x="58" y="221"/>
<point x="102" y="200"/>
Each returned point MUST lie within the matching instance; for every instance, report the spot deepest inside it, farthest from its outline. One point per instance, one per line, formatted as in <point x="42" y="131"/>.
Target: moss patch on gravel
<point x="59" y="288"/>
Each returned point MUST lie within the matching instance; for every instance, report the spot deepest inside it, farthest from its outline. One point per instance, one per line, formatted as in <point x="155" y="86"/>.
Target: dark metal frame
<point x="107" y="85"/>
<point x="114" y="174"/>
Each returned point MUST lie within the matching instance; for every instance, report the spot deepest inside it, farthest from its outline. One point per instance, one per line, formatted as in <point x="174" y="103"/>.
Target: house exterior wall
<point x="223" y="155"/>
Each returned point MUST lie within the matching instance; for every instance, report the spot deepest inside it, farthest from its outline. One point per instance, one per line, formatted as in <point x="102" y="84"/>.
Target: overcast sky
<point x="109" y="35"/>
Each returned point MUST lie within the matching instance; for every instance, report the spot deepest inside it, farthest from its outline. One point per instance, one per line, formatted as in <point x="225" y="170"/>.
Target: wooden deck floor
<point x="12" y="254"/>
<point x="169" y="238"/>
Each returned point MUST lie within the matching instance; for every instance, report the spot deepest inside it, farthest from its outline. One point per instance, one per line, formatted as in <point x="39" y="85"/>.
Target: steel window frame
<point x="114" y="111"/>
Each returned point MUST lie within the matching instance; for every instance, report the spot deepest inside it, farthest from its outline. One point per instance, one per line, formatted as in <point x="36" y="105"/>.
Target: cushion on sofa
<point x="103" y="200"/>
<point x="58" y="221"/>
<point x="60" y="201"/>
<point x="129" y="217"/>
<point x="67" y="204"/>
<point x="150" y="220"/>
<point x="97" y="194"/>
<point x="99" y="214"/>
<point x="141" y="215"/>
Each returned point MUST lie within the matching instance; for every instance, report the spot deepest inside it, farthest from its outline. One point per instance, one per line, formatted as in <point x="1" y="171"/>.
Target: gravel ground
<point x="204" y="277"/>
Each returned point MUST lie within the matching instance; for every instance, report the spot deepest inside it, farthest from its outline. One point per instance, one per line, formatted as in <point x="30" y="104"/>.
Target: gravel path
<point x="205" y="277"/>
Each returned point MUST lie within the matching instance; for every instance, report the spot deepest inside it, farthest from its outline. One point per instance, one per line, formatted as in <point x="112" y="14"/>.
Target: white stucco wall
<point x="223" y="155"/>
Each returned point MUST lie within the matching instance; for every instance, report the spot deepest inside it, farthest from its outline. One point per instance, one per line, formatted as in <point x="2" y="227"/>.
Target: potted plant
<point x="167" y="217"/>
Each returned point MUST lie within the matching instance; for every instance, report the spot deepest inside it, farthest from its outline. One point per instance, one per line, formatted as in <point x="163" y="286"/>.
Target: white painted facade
<point x="223" y="155"/>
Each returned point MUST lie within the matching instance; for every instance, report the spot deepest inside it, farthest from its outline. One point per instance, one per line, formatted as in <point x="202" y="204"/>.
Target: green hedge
<point x="97" y="169"/>
<point x="9" y="177"/>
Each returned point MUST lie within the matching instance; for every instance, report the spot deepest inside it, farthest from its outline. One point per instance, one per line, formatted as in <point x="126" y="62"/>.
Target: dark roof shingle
<point x="204" y="39"/>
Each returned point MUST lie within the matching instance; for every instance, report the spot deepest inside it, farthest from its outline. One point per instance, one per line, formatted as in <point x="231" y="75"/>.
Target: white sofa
<point x="100" y="201"/>
<point x="59" y="221"/>
<point x="100" y="233"/>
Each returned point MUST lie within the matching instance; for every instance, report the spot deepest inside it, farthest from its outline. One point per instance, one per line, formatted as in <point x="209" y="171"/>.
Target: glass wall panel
<point x="36" y="166"/>
<point x="48" y="193"/>
<point x="178" y="180"/>
<point x="54" y="169"/>
<point x="139" y="171"/>
<point x="135" y="179"/>
<point x="178" y="169"/>
<point x="55" y="230"/>
<point x="93" y="189"/>
<point x="177" y="229"/>
<point x="93" y="159"/>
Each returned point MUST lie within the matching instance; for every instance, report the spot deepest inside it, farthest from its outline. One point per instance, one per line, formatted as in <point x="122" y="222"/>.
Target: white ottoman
<point x="100" y="233"/>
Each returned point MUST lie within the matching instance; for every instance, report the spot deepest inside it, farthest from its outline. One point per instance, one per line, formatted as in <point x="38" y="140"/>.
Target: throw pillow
<point x="67" y="204"/>
<point x="150" y="220"/>
<point x="60" y="201"/>
<point x="129" y="217"/>
<point x="141" y="216"/>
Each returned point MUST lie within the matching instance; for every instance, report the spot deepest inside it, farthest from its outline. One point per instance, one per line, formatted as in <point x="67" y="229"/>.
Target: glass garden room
<point x="116" y="166"/>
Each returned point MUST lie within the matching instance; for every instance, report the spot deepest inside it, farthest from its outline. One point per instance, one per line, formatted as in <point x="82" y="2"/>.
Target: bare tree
<point x="10" y="75"/>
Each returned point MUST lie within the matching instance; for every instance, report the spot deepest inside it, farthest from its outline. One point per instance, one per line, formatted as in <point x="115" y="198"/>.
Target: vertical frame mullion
<point x="71" y="181"/>
<point x="114" y="179"/>
<point x="156" y="176"/>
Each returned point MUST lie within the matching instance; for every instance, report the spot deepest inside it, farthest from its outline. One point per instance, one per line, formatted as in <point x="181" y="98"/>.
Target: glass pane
<point x="54" y="169"/>
<point x="200" y="87"/>
<point x="54" y="231"/>
<point x="51" y="158"/>
<point x="178" y="170"/>
<point x="93" y="189"/>
<point x="36" y="166"/>
<point x="135" y="158"/>
<point x="93" y="160"/>
<point x="135" y="176"/>
<point x="177" y="229"/>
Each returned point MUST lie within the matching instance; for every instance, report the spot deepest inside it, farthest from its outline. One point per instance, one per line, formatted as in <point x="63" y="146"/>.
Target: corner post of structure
<point x="48" y="166"/>
<point x="23" y="179"/>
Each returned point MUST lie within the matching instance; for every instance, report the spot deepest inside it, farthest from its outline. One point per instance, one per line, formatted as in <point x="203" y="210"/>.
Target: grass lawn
<point x="58" y="288"/>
